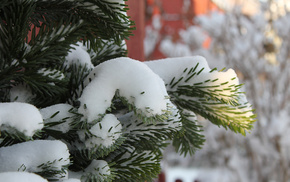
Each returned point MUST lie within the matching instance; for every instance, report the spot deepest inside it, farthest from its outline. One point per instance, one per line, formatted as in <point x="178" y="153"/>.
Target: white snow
<point x="28" y="156"/>
<point x="104" y="133"/>
<point x="24" y="117"/>
<point x="60" y="113"/>
<point x="20" y="177"/>
<point x="78" y="55"/>
<point x="135" y="81"/>
<point x="21" y="93"/>
<point x="224" y="90"/>
<point x="97" y="167"/>
<point x="174" y="67"/>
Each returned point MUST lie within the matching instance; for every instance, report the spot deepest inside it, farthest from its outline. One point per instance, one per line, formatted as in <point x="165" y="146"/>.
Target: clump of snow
<point x="99" y="168"/>
<point x="28" y="156"/>
<point x="20" y="176"/>
<point x="24" y="117"/>
<point x="145" y="90"/>
<point x="174" y="67"/>
<point x="78" y="55"/>
<point x="58" y="113"/>
<point x="21" y="93"/>
<point x="104" y="133"/>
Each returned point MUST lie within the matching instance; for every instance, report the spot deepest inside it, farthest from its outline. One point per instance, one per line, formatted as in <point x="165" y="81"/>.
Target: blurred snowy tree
<point x="73" y="108"/>
<point x="258" y="48"/>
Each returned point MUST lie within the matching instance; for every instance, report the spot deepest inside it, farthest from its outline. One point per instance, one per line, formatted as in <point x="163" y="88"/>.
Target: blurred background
<point x="250" y="36"/>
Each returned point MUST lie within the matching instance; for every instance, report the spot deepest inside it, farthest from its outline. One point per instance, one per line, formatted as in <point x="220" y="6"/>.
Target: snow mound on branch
<point x="58" y="113"/>
<point x="20" y="176"/>
<point x="104" y="133"/>
<point x="30" y="155"/>
<point x="174" y="67"/>
<point x="98" y="170"/>
<point x="133" y="80"/>
<point x="168" y="69"/>
<point x="24" y="117"/>
<point x="78" y="55"/>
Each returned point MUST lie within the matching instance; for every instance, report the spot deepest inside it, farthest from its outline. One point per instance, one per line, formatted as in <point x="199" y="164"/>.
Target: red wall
<point x="135" y="44"/>
<point x="181" y="20"/>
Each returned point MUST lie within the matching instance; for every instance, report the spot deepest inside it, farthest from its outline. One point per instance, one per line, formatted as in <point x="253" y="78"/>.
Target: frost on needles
<point x="73" y="110"/>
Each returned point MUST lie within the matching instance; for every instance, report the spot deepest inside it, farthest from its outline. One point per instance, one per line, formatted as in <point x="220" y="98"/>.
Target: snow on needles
<point x="24" y="117"/>
<point x="133" y="80"/>
<point x="104" y="133"/>
<point x="195" y="70"/>
<point x="58" y="113"/>
<point x="174" y="67"/>
<point x="20" y="176"/>
<point x="99" y="167"/>
<point x="78" y="55"/>
<point x="33" y="155"/>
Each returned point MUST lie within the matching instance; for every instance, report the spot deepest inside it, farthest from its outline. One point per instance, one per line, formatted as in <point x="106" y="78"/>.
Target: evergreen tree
<point x="73" y="108"/>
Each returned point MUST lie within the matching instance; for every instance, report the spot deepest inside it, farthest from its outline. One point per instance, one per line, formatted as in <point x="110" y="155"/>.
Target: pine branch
<point x="220" y="102"/>
<point x="14" y="30"/>
<point x="52" y="43"/>
<point x="238" y="118"/>
<point x="75" y="74"/>
<point x="107" y="50"/>
<point x="102" y="19"/>
<point x="141" y="115"/>
<point x="46" y="93"/>
<point x="189" y="139"/>
<point x="98" y="171"/>
<point x="83" y="157"/>
<point x="144" y="136"/>
<point x="132" y="166"/>
<point x="50" y="172"/>
<point x="11" y="137"/>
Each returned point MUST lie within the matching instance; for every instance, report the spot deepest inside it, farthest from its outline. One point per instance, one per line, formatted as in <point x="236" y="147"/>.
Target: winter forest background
<point x="257" y="45"/>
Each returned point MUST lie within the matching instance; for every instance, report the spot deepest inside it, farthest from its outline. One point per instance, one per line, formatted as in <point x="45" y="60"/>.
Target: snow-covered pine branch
<point x="91" y="114"/>
<point x="213" y="94"/>
<point x="144" y="90"/>
<point x="27" y="120"/>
